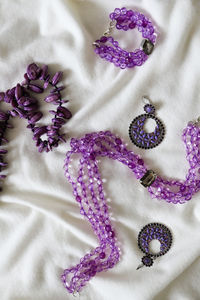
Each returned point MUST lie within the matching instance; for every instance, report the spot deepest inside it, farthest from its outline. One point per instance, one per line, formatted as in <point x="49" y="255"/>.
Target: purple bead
<point x="150" y="109"/>
<point x="57" y="89"/>
<point x="108" y="228"/>
<point x="103" y="39"/>
<point x="78" y="198"/>
<point x="8" y="96"/>
<point x="53" y="112"/>
<point x="30" y="107"/>
<point x="33" y="71"/>
<point x="36" y="117"/>
<point x="28" y="101"/>
<point x="102" y="255"/>
<point x="52" y="98"/>
<point x="21" y="100"/>
<point x="18" y="91"/>
<point x="13" y="102"/>
<point x="39" y="131"/>
<point x="129" y="13"/>
<point x="131" y="165"/>
<point x="13" y="113"/>
<point x="3" y="164"/>
<point x="56" y="78"/>
<point x="3" y="176"/>
<point x="3" y="151"/>
<point x="67" y="114"/>
<point x="26" y="79"/>
<point x="46" y="82"/>
<point x="44" y="72"/>
<point x="20" y="112"/>
<point x="35" y="88"/>
<point x="140" y="162"/>
<point x="52" y="133"/>
<point x="58" y="121"/>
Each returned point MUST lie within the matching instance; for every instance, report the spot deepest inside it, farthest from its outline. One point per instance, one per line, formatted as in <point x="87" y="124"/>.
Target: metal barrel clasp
<point x="148" y="178"/>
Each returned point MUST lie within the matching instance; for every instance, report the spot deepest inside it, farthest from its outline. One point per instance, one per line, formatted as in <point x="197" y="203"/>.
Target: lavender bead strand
<point x="163" y="189"/>
<point x="93" y="207"/>
<point x="108" y="48"/>
<point x="88" y="192"/>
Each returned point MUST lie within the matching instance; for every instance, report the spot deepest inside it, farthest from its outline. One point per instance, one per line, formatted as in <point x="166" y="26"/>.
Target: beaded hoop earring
<point x="153" y="231"/>
<point x="107" y="48"/>
<point x="137" y="133"/>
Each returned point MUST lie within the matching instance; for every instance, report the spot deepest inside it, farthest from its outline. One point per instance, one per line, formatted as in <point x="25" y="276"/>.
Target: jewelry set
<point x="88" y="186"/>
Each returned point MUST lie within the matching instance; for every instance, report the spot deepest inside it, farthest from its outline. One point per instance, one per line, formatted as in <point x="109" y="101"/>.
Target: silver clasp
<point x="107" y="32"/>
<point x="95" y="44"/>
<point x="76" y="294"/>
<point x="148" y="178"/>
<point x="110" y="28"/>
<point x="197" y="122"/>
<point x="146" y="100"/>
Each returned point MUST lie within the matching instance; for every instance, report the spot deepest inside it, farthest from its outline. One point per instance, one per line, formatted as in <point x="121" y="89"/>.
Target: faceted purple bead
<point x="102" y="255"/>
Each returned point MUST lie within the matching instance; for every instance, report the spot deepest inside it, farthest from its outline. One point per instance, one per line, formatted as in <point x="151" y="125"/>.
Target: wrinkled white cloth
<point x="41" y="229"/>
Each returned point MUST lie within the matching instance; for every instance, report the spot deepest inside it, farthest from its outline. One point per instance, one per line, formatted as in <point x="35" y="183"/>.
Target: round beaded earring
<point x="153" y="231"/>
<point x="137" y="133"/>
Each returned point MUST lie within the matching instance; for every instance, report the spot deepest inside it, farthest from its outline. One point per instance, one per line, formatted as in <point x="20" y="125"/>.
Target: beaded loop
<point x="107" y="48"/>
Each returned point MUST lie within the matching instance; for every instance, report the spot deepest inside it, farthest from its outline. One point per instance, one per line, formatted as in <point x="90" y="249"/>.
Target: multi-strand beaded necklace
<point x="88" y="192"/>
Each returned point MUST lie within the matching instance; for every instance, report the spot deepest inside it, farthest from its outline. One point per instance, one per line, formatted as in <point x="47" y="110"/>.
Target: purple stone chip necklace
<point x="25" y="105"/>
<point x="108" y="48"/>
<point x="88" y="192"/>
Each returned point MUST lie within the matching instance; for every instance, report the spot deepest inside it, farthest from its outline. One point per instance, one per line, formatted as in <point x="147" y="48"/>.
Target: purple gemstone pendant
<point x="144" y="139"/>
<point x="153" y="231"/>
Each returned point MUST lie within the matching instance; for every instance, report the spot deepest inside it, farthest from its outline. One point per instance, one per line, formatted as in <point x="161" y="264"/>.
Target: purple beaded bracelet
<point x="88" y="191"/>
<point x="107" y="48"/>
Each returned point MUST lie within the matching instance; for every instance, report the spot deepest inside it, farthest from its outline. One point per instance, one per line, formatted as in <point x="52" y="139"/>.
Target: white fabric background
<point x="41" y="230"/>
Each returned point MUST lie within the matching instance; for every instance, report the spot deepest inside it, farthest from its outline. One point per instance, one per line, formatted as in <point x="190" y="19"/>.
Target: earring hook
<point x="146" y="100"/>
